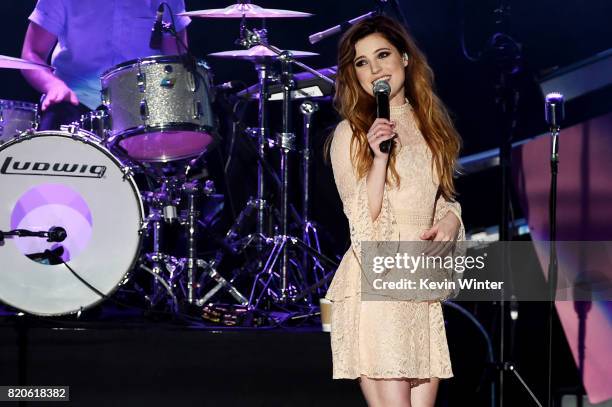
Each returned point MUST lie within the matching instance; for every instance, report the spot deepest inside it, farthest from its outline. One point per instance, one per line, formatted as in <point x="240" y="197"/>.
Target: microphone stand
<point x="54" y="234"/>
<point x="339" y="28"/>
<point x="552" y="263"/>
<point x="506" y="53"/>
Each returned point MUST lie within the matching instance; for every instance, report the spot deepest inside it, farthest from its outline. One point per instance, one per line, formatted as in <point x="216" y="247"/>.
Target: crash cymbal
<point x="257" y="52"/>
<point x="18" y="63"/>
<point x="246" y="11"/>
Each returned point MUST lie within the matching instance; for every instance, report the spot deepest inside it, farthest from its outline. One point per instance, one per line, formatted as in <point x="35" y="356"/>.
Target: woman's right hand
<point x="381" y="130"/>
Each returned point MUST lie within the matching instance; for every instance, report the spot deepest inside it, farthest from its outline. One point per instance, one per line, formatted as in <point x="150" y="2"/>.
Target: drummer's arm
<point x="37" y="46"/>
<point x="169" y="46"/>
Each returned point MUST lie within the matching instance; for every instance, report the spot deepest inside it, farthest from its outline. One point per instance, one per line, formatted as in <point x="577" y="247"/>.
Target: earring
<point x="405" y="56"/>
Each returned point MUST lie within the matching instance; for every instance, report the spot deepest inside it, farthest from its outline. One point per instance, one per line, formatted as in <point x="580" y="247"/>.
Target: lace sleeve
<point x="443" y="207"/>
<point x="353" y="193"/>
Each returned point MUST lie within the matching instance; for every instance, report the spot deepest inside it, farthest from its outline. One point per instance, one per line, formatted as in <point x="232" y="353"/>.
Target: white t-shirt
<point x="95" y="35"/>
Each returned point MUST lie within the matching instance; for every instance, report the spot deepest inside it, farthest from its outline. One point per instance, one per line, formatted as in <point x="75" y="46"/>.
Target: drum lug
<point x="105" y="96"/>
<point x="36" y="121"/>
<point x="191" y="82"/>
<point x="141" y="79"/>
<point x="144" y="110"/>
<point x="72" y="129"/>
<point x="209" y="187"/>
<point x="144" y="226"/>
<point x="197" y="109"/>
<point x="28" y="134"/>
<point x="128" y="172"/>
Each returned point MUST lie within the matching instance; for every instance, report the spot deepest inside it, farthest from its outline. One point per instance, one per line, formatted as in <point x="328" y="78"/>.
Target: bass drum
<point x="65" y="179"/>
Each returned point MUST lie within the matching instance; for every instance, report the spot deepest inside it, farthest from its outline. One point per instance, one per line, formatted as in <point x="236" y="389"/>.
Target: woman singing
<point x="397" y="349"/>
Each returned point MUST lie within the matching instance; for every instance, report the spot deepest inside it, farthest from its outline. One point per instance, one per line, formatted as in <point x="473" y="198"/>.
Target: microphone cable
<point x="106" y="297"/>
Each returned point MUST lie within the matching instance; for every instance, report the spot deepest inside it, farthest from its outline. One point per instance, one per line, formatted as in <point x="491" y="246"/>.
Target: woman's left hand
<point x="445" y="232"/>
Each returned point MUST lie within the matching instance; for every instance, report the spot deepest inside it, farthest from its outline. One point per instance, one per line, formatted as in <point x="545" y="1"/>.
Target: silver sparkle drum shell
<point x="16" y="117"/>
<point x="57" y="178"/>
<point x="160" y="110"/>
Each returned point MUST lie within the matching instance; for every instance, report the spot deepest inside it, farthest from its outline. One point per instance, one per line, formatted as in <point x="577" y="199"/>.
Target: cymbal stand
<point x="286" y="142"/>
<point x="262" y="116"/>
<point x="309" y="230"/>
<point x="259" y="205"/>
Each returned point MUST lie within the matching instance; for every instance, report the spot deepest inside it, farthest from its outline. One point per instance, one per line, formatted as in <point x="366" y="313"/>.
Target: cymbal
<point x="257" y="52"/>
<point x="18" y="63"/>
<point x="244" y="10"/>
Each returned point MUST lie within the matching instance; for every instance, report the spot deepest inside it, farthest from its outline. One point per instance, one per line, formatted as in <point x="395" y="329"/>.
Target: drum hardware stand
<point x="192" y="262"/>
<point x="259" y="204"/>
<point x="163" y="209"/>
<point x="308" y="108"/>
<point x="254" y="205"/>
<point x="262" y="115"/>
<point x="211" y="271"/>
<point x="286" y="142"/>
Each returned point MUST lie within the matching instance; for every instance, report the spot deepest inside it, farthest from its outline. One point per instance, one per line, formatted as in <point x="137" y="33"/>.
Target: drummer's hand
<point x="59" y="92"/>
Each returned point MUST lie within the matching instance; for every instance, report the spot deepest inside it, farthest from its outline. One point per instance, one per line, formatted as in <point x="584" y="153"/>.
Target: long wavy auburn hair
<point x="358" y="107"/>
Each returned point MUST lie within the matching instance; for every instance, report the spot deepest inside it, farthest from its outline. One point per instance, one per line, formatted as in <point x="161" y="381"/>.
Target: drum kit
<point x="157" y="123"/>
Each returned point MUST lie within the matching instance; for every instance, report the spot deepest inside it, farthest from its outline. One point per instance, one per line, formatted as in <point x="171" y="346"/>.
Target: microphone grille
<point x="554" y="97"/>
<point x="382" y="86"/>
<point x="554" y="109"/>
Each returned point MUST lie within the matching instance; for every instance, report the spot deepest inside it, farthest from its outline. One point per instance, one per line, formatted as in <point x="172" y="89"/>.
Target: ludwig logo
<point x="13" y="167"/>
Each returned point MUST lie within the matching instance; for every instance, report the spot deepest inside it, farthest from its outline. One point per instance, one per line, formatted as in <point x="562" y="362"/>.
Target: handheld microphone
<point x="156" y="32"/>
<point x="381" y="90"/>
<point x="554" y="110"/>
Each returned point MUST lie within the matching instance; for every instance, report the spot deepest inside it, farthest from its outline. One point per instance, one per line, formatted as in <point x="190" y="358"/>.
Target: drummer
<point x="88" y="37"/>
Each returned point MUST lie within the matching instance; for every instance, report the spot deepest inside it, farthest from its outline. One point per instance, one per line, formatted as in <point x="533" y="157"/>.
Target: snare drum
<point x="159" y="109"/>
<point x="65" y="179"/>
<point x="16" y="117"/>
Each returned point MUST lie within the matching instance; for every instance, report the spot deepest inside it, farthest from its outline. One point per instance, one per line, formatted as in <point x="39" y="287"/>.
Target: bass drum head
<point x="68" y="180"/>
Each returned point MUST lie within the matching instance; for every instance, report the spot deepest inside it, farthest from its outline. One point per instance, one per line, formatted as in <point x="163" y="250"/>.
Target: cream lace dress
<point x="387" y="339"/>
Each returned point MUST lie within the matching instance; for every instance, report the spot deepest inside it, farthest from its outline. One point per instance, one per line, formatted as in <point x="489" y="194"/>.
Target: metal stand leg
<point x="192" y="214"/>
<point x="308" y="108"/>
<point x="261" y="145"/>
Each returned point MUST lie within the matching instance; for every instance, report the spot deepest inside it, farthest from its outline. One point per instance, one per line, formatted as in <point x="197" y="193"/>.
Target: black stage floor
<point x="160" y="364"/>
<point x="134" y="361"/>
